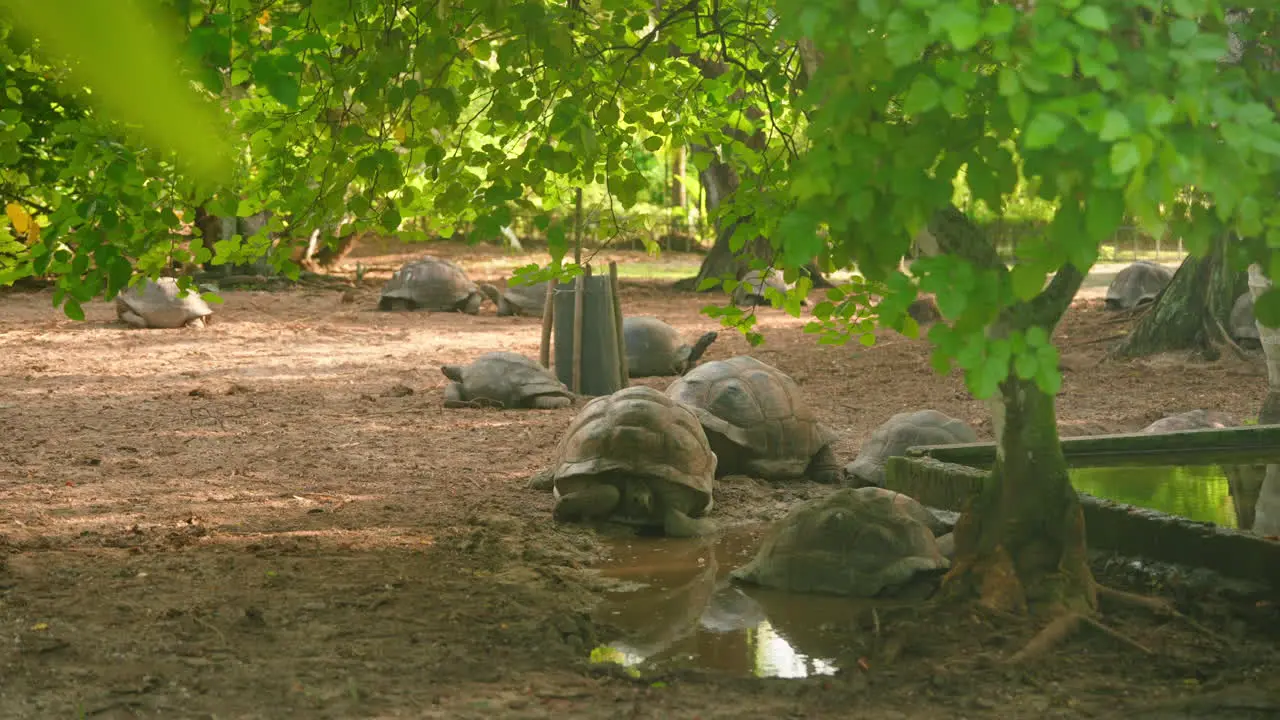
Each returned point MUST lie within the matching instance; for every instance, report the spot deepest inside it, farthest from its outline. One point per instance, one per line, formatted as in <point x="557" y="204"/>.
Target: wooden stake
<point x="577" y="228"/>
<point x="548" y="319"/>
<point x="617" y="321"/>
<point x="579" y="293"/>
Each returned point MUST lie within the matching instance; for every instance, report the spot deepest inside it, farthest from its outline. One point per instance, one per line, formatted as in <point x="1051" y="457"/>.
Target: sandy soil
<point x="275" y="517"/>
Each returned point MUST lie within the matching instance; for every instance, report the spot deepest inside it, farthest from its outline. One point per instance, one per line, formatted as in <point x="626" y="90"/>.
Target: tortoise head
<point x="453" y="372"/>
<point x="490" y="292"/>
<point x="695" y="353"/>
<point x="638" y="495"/>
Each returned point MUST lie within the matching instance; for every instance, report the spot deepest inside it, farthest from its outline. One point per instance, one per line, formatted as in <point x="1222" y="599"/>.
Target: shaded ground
<point x="259" y="520"/>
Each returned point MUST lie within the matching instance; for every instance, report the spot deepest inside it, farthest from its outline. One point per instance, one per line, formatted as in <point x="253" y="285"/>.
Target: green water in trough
<point x="1194" y="492"/>
<point x="1222" y="494"/>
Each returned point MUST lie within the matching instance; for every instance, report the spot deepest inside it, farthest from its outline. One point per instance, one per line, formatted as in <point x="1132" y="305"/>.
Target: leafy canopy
<point x="374" y="113"/>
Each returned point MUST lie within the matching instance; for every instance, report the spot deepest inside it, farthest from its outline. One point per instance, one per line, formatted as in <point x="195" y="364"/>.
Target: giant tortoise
<point x="432" y="283"/>
<point x="636" y="457"/>
<point x="863" y="542"/>
<point x="1190" y="420"/>
<point x="924" y="310"/>
<point x="758" y="421"/>
<point x="518" y="299"/>
<point x="1242" y="324"/>
<point x="751" y="288"/>
<point x="654" y="348"/>
<point x="1137" y="284"/>
<point x="895" y="435"/>
<point x="160" y="304"/>
<point x="504" y="379"/>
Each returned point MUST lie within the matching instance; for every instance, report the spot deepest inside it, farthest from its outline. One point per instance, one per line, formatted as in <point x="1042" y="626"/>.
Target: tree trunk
<point x="1192" y="312"/>
<point x="679" y="194"/>
<point x="719" y="181"/>
<point x="1020" y="542"/>
<point x="1270" y="412"/>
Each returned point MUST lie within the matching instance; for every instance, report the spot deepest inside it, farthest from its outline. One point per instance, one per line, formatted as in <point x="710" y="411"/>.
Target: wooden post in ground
<point x="623" y="370"/>
<point x="548" y="319"/>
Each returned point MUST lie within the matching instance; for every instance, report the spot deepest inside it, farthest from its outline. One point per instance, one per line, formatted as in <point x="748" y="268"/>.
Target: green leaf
<point x="1093" y="17"/>
<point x="1115" y="126"/>
<point x="708" y="283"/>
<point x="1027" y="281"/>
<point x="1043" y="130"/>
<point x="390" y="220"/>
<point x="1104" y="211"/>
<point x="653" y="143"/>
<point x="987" y="382"/>
<point x="1048" y="378"/>
<point x="962" y="24"/>
<point x="1182" y="30"/>
<point x="1000" y="19"/>
<point x="1026" y="365"/>
<point x="1007" y="82"/>
<point x="1124" y="157"/>
<point x="923" y="95"/>
<point x="1019" y="104"/>
<point x="73" y="309"/>
<point x="1267" y="307"/>
<point x="120" y="50"/>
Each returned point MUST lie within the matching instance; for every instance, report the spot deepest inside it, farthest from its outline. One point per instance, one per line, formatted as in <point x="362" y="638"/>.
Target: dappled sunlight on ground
<point x="280" y="500"/>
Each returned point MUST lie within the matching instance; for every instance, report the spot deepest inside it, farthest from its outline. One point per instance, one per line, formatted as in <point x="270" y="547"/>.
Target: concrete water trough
<point x="944" y="476"/>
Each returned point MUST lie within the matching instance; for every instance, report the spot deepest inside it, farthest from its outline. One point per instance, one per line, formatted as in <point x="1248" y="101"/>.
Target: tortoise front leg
<point x="543" y="480"/>
<point x="197" y="323"/>
<point x="679" y="525"/>
<point x="591" y="503"/>
<point x="825" y="467"/>
<point x="453" y="396"/>
<point x="133" y="319"/>
<point x="472" y="306"/>
<point x="551" y="402"/>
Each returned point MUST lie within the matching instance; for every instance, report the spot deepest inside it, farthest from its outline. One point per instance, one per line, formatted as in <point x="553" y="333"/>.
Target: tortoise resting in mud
<point x="504" y="379"/>
<point x="432" y="283"/>
<point x="1136" y="285"/>
<point x="158" y="304"/>
<point x="895" y="435"/>
<point x="634" y="457"/>
<point x="654" y="348"/>
<point x="518" y="299"/>
<point x="1190" y="420"/>
<point x="758" y="421"/>
<point x="1242" y="325"/>
<point x="863" y="542"/>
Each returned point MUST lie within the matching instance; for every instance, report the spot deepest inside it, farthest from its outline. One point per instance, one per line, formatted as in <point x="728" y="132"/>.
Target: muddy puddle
<point x="675" y="607"/>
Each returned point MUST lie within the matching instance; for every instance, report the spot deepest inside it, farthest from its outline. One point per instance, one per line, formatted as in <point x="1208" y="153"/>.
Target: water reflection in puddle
<point x="1245" y="497"/>
<point x="675" y="607"/>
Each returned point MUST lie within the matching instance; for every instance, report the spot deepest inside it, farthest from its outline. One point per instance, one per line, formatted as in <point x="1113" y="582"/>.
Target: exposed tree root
<point x="1064" y="626"/>
<point x="1124" y="316"/>
<point x="1061" y="629"/>
<point x="1155" y="605"/>
<point x="1104" y="339"/>
<point x="1224" y="338"/>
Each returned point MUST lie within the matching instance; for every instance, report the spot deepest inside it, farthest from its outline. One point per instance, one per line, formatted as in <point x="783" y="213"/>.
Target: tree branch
<point x="956" y="234"/>
<point x="1051" y="304"/>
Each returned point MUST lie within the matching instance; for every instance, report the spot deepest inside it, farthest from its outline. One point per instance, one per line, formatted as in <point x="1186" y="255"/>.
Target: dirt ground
<point x="275" y="517"/>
